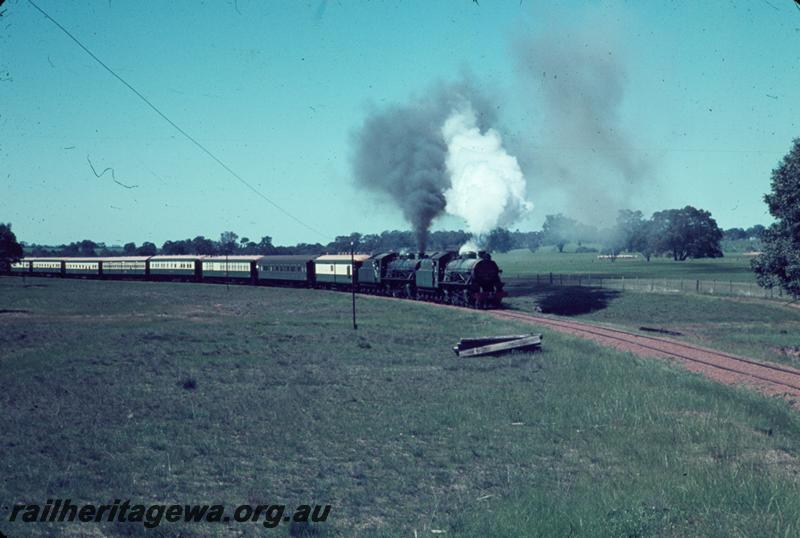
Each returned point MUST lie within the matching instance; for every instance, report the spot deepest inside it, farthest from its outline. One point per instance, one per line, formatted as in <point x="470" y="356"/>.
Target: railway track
<point x="770" y="378"/>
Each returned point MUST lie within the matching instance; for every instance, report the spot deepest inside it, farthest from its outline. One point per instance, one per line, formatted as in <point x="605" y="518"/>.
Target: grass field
<point x="733" y="267"/>
<point x="757" y="328"/>
<point x="191" y="393"/>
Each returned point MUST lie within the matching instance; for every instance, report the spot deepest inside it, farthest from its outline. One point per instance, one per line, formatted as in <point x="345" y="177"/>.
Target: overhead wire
<point x="177" y="127"/>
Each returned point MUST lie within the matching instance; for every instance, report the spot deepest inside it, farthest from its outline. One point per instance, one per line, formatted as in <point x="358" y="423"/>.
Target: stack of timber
<point x="492" y="345"/>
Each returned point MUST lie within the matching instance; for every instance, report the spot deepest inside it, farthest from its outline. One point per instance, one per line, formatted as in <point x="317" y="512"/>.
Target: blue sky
<point x="276" y="89"/>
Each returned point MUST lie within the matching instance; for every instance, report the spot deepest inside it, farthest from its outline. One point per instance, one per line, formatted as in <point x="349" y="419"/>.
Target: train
<point x="470" y="279"/>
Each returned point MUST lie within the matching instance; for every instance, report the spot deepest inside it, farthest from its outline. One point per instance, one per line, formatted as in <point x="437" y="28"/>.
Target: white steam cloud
<point x="487" y="186"/>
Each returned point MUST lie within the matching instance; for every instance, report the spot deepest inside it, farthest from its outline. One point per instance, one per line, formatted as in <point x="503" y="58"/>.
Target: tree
<point x="779" y="263"/>
<point x="201" y="245"/>
<point x="619" y="237"/>
<point x="499" y="240"/>
<point x="558" y="230"/>
<point x="147" y="249"/>
<point x="529" y="240"/>
<point x="342" y="243"/>
<point x="86" y="248"/>
<point x="735" y="234"/>
<point x="686" y="233"/>
<point x="129" y="249"/>
<point x="755" y="232"/>
<point x="632" y="233"/>
<point x="72" y="250"/>
<point x="643" y="240"/>
<point x="227" y="242"/>
<point x="10" y="249"/>
<point x="177" y="247"/>
<point x="371" y="242"/>
<point x="265" y="246"/>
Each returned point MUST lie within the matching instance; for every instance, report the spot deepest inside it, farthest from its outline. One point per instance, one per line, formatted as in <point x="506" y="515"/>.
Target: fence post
<point x="697" y="286"/>
<point x="623" y="283"/>
<point x="651" y="284"/>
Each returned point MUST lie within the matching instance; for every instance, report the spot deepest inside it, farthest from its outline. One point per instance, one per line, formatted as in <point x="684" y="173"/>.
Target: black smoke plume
<point x="400" y="151"/>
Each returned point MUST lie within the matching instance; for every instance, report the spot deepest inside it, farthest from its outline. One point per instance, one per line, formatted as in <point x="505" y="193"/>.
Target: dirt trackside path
<point x="769" y="378"/>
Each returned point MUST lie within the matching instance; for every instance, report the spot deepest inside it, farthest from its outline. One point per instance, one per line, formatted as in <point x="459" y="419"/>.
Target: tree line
<point x="680" y="233"/>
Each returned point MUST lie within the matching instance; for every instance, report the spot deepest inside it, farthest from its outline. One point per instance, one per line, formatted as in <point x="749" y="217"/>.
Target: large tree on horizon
<point x="10" y="249"/>
<point x="685" y="233"/>
<point x="779" y="263"/>
<point x="558" y="230"/>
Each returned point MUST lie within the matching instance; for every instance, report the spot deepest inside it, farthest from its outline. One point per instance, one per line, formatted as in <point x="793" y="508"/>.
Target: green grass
<point x="762" y="329"/>
<point x="733" y="267"/>
<point x="291" y="405"/>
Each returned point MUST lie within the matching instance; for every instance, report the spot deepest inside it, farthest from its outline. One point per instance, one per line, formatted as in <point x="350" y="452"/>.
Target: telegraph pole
<point x="353" y="282"/>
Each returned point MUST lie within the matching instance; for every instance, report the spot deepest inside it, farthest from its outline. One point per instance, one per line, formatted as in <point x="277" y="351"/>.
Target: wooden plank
<point x="491" y="339"/>
<point x="519" y="343"/>
<point x="468" y="343"/>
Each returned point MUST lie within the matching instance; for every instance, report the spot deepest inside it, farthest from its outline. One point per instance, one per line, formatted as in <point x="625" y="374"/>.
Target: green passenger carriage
<point x="124" y="266"/>
<point x="286" y="270"/>
<point x="81" y="267"/>
<point x="176" y="267"/>
<point x="221" y="268"/>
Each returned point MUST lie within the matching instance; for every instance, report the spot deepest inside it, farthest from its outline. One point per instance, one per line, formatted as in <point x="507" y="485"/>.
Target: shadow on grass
<point x="576" y="301"/>
<point x="566" y="301"/>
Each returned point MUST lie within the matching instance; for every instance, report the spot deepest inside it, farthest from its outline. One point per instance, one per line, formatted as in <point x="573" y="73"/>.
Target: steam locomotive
<point x="471" y="279"/>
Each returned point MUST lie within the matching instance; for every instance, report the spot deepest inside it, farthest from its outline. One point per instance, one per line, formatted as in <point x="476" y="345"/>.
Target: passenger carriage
<point x="124" y="266"/>
<point x="230" y="268"/>
<point x="286" y="270"/>
<point x="336" y="270"/>
<point x="175" y="267"/>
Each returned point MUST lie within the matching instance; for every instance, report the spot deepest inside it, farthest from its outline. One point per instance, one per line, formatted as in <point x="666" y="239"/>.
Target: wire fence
<point x="649" y="285"/>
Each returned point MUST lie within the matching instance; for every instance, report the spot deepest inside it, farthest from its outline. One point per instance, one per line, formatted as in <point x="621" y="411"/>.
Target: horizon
<point x="159" y="246"/>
